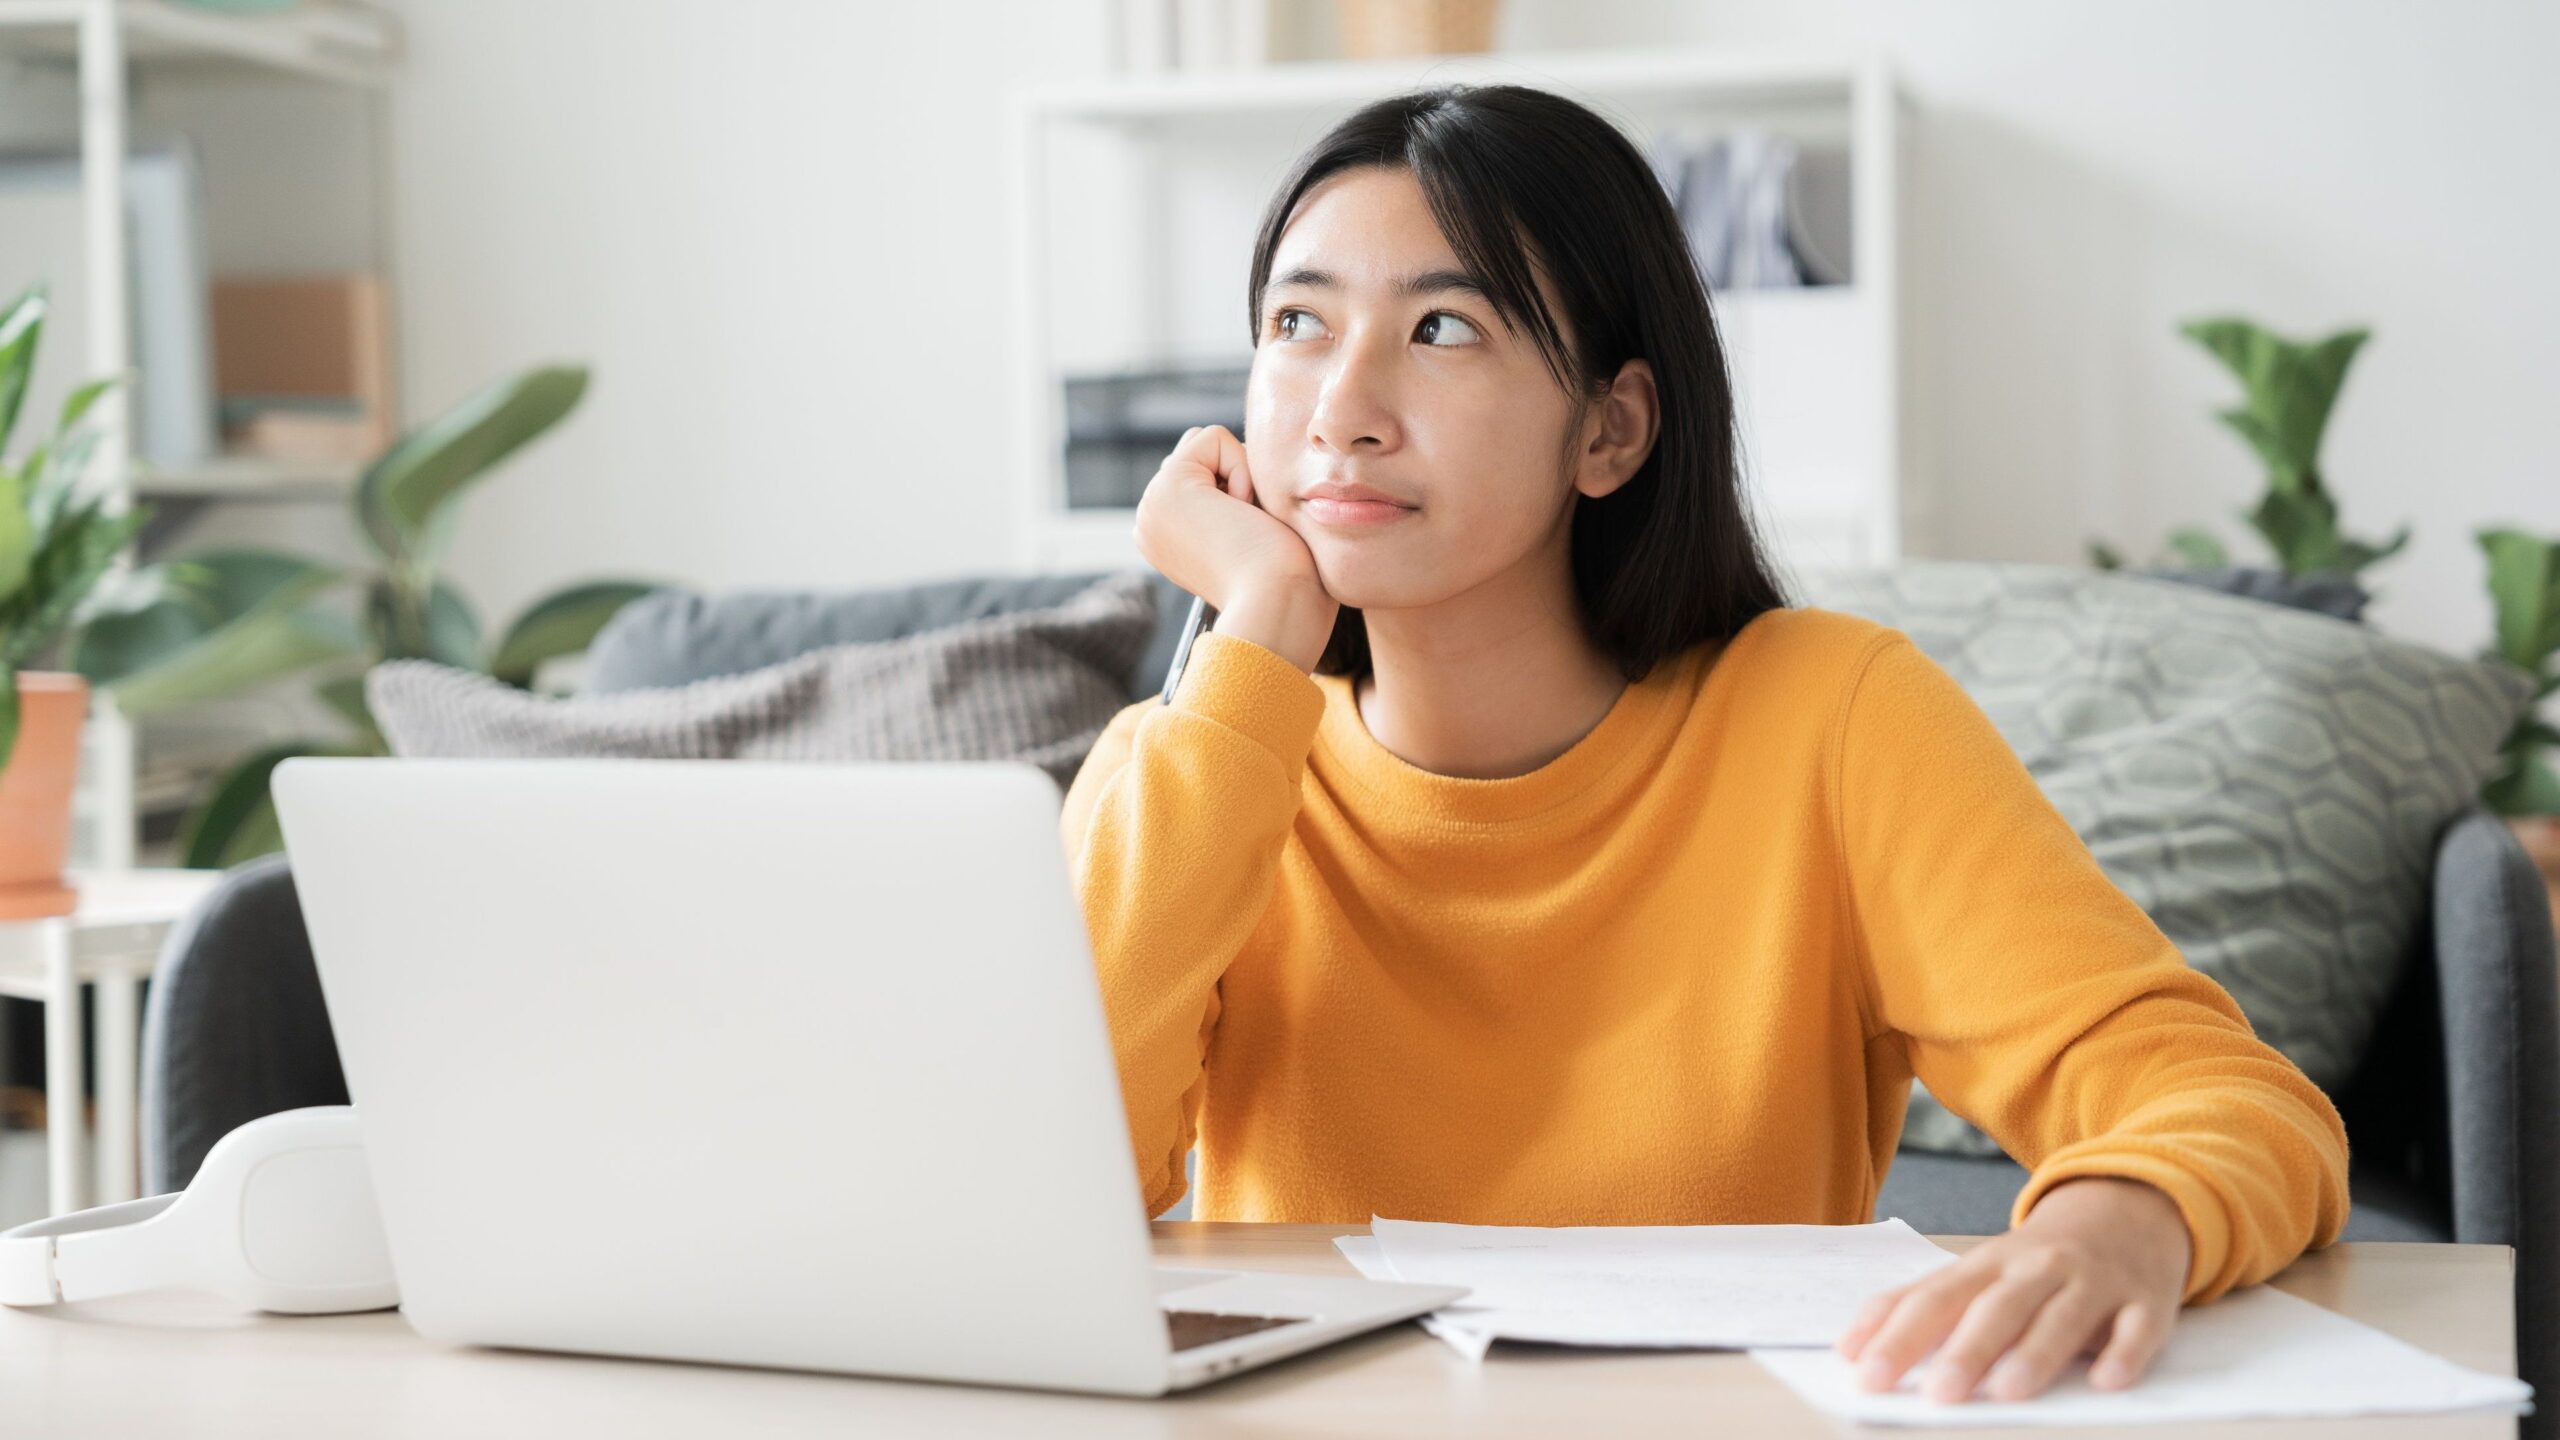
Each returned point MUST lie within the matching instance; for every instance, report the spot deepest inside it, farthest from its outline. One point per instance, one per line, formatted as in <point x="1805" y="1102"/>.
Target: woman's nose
<point x="1355" y="404"/>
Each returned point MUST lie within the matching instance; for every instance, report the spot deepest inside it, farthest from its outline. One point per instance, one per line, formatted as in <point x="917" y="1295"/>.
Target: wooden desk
<point x="167" y="1366"/>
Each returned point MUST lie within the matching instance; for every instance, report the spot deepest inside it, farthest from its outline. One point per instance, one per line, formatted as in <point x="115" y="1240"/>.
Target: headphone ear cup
<point x="311" y="1239"/>
<point x="288" y="1220"/>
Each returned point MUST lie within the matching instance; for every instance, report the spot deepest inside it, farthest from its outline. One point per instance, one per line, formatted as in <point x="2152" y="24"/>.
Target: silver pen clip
<point x="1191" y="628"/>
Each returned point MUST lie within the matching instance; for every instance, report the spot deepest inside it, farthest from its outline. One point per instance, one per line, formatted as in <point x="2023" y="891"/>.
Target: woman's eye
<point x="1280" y="323"/>
<point x="1467" y="332"/>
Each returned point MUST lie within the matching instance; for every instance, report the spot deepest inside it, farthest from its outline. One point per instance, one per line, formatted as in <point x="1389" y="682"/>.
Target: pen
<point x="1182" y="648"/>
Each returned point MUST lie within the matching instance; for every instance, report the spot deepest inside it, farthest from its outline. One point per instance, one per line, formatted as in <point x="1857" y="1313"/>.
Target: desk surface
<point x="167" y="1365"/>
<point x="123" y="916"/>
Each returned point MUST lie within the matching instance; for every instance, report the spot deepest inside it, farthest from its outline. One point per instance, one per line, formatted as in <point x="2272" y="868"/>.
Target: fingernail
<point x="2005" y="1377"/>
<point x="1875" y="1374"/>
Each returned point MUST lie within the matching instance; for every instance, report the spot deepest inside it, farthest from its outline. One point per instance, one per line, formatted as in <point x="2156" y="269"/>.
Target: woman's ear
<point x="1619" y="431"/>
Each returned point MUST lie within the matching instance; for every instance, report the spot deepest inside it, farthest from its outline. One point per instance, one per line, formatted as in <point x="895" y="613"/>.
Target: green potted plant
<point x="2288" y="389"/>
<point x="260" y="616"/>
<point x="56" y="552"/>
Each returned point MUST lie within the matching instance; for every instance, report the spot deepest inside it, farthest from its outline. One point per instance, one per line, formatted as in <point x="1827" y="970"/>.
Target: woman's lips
<point x="1354" y="512"/>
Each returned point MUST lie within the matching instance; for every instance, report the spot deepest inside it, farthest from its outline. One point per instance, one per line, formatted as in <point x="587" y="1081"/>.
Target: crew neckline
<point x="1639" y="723"/>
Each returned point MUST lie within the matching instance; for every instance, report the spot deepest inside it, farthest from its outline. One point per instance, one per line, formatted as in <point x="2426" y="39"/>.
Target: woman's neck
<point x="1488" y="684"/>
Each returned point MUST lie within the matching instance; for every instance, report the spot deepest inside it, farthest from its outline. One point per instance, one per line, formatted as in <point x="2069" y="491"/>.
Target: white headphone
<point x="280" y="1217"/>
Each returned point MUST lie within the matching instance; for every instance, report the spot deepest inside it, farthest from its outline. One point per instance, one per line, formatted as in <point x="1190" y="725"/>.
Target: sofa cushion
<point x="674" y="637"/>
<point x="2267" y="783"/>
<point x="1034" y="685"/>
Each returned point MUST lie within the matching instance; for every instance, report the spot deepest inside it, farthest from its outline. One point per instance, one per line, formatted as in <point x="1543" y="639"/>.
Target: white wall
<point x="2090" y="174"/>
<point x="776" y="229"/>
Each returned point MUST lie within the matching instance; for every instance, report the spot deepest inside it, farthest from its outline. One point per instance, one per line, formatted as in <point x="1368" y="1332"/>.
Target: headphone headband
<point x="280" y="1217"/>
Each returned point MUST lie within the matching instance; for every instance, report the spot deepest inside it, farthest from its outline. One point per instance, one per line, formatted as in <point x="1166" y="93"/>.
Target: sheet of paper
<point x="1362" y="1252"/>
<point x="2254" y="1353"/>
<point x="1672" y="1286"/>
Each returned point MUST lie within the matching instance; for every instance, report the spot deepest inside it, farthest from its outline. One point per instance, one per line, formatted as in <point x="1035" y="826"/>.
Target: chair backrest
<point x="2464" y="1066"/>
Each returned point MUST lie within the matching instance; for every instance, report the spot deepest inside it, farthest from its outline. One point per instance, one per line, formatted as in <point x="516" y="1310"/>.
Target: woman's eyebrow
<point x="1427" y="282"/>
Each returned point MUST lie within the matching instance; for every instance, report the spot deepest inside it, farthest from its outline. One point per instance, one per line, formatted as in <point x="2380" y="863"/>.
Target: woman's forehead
<point x="1366" y="226"/>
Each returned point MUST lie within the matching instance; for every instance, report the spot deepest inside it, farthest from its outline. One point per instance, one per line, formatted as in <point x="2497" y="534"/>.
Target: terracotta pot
<point x="35" y="795"/>
<point x="2541" y="837"/>
<point x="1375" y="29"/>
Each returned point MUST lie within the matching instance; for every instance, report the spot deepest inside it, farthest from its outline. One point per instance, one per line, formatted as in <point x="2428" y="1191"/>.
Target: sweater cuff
<point x="2208" y="1228"/>
<point x="1255" y="691"/>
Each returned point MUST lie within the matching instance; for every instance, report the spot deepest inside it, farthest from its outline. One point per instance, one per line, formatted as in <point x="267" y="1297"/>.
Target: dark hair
<point x="1517" y="177"/>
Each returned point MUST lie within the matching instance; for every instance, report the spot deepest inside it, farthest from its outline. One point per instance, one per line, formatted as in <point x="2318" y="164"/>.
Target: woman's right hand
<point x="1199" y="523"/>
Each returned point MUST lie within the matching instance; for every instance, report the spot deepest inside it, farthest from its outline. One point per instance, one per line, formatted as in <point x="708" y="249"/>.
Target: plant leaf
<point x="17" y="537"/>
<point x="345" y="695"/>
<point x="2301" y="527"/>
<point x="2524" y="589"/>
<point x="2199" y="548"/>
<point x="2104" y="556"/>
<point x="450" y="636"/>
<point x="77" y="403"/>
<point x="188" y="642"/>
<point x="2307" y="389"/>
<point x="2530" y="788"/>
<point x="564" y="622"/>
<point x="2233" y="341"/>
<point x="237" y="821"/>
<point x="2282" y="473"/>
<point x="2289" y="389"/>
<point x="402" y="498"/>
<point x="453" y="628"/>
<point x="2355" y="555"/>
<point x="67" y="565"/>
<point x="253" y="650"/>
<point x="21" y="326"/>
<point x="131" y="591"/>
<point x="54" y="474"/>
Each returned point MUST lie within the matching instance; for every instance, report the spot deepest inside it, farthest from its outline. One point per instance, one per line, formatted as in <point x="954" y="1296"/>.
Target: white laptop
<point x="771" y="1064"/>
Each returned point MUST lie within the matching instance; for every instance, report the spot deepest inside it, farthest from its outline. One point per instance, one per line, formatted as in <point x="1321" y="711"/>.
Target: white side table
<point x="112" y="941"/>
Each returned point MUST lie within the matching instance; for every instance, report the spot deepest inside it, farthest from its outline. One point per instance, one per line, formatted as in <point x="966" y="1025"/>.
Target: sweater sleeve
<point x="2039" y="1002"/>
<point x="1173" y="829"/>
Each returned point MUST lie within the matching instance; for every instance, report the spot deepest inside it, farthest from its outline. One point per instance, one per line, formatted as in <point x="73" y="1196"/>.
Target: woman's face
<point x="1419" y="392"/>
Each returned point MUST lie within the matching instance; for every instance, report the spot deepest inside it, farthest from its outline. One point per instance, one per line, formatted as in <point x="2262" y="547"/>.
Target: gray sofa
<point x="2440" y="1115"/>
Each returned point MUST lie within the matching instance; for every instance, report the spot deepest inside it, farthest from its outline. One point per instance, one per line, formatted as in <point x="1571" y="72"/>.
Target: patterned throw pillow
<point x="2266" y="783"/>
<point x="1030" y="685"/>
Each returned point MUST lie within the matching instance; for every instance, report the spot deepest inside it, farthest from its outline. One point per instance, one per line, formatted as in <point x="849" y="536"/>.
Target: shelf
<point x="248" y="477"/>
<point x="1737" y="77"/>
<point x="343" y="43"/>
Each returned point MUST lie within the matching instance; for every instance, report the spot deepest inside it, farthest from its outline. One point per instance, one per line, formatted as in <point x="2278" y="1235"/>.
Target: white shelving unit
<point x="1136" y="199"/>
<point x="247" y="477"/>
<point x="105" y="40"/>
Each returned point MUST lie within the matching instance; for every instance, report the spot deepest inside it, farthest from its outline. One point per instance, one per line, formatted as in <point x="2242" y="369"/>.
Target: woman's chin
<point x="1349" y="585"/>
<point x="1376" y="572"/>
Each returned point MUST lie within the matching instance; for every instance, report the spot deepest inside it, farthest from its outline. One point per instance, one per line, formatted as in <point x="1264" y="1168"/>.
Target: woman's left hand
<point x="2099" y="1264"/>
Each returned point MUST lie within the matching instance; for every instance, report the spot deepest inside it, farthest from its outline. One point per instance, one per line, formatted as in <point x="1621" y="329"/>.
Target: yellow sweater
<point x="1682" y="974"/>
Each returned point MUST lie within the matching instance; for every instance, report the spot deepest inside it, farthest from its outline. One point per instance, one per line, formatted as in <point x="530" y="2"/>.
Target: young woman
<point x="1511" y="852"/>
